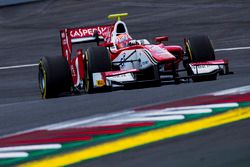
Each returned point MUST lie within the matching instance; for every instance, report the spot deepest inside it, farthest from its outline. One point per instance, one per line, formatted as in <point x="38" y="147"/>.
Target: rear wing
<point x="83" y="34"/>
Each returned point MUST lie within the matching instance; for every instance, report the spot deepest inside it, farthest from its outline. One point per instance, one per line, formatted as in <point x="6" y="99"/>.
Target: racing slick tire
<point x="97" y="60"/>
<point x="54" y="76"/>
<point x="199" y="49"/>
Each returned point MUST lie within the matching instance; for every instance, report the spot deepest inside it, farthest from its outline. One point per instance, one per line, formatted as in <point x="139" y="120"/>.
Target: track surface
<point x="31" y="31"/>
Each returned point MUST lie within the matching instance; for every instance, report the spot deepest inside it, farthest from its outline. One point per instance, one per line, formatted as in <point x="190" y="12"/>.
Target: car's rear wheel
<point x="97" y="59"/>
<point x="54" y="76"/>
<point x="199" y="49"/>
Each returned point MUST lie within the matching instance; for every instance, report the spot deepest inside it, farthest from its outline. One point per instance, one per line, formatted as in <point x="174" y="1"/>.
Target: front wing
<point x="122" y="77"/>
<point x="209" y="67"/>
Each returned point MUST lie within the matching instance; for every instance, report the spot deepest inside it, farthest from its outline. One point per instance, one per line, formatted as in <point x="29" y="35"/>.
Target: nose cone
<point x="159" y="53"/>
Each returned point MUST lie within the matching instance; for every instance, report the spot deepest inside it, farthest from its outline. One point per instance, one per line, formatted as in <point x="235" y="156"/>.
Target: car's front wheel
<point x="199" y="49"/>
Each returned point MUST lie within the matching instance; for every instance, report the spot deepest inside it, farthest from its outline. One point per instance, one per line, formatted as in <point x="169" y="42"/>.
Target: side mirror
<point x="160" y="39"/>
<point x="108" y="44"/>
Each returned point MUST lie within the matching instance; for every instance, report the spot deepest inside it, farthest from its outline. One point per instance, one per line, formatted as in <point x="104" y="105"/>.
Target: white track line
<point x="145" y="119"/>
<point x="18" y="66"/>
<point x="32" y="65"/>
<point x="85" y="121"/>
<point x="233" y="91"/>
<point x="30" y="147"/>
<point x="14" y="155"/>
<point x="231" y="49"/>
<point x="220" y="105"/>
<point x="161" y="113"/>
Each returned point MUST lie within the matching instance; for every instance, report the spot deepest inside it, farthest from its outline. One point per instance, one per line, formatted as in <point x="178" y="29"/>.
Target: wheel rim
<point x="42" y="80"/>
<point x="189" y="51"/>
<point x="42" y="83"/>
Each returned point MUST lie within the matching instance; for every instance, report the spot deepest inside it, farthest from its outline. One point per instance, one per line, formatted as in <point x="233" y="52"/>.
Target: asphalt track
<point x="31" y="31"/>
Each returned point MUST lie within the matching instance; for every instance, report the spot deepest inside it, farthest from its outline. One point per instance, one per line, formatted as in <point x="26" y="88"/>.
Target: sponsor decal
<point x="144" y="63"/>
<point x="201" y="69"/>
<point x="123" y="58"/>
<point x="99" y="80"/>
<point x="100" y="83"/>
<point x="73" y="71"/>
<point x="121" y="78"/>
<point x="86" y="32"/>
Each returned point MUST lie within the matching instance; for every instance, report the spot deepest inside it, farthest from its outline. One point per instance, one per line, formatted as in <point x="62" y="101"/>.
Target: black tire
<point x="199" y="49"/>
<point x="54" y="76"/>
<point x="97" y="60"/>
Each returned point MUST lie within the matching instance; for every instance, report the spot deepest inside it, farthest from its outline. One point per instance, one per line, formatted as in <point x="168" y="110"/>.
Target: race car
<point x="118" y="60"/>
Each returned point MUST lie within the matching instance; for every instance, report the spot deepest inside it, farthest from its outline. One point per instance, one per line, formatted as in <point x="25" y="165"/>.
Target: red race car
<point x="119" y="60"/>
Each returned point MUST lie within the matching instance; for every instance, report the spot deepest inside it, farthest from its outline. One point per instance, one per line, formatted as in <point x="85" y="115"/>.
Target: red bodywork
<point x="75" y="35"/>
<point x="168" y="55"/>
<point x="71" y="35"/>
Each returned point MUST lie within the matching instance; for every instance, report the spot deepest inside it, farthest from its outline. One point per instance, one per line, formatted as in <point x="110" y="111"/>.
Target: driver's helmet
<point x="122" y="40"/>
